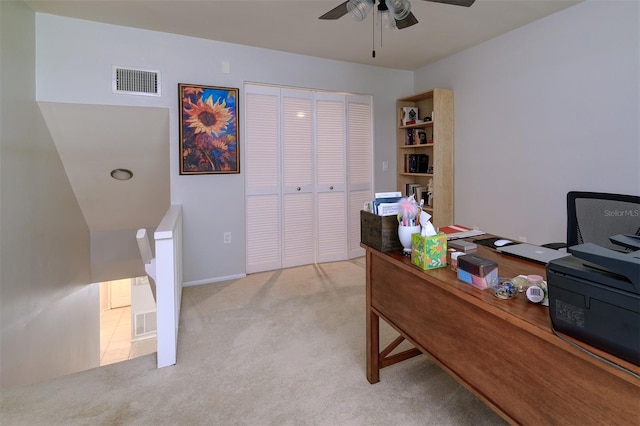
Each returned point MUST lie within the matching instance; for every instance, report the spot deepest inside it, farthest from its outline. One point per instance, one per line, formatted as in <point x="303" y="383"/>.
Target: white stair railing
<point x="168" y="279"/>
<point x="147" y="258"/>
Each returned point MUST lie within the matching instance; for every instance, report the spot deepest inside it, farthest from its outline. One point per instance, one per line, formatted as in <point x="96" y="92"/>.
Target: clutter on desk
<point x="388" y="221"/>
<point x="429" y="252"/>
<point x="533" y="287"/>
<point x="409" y="212"/>
<point x="408" y="222"/>
<point x="379" y="232"/>
<point x="463" y="245"/>
<point x="406" y="233"/>
<point x="453" y="255"/>
<point x="491" y="242"/>
<point x="536" y="290"/>
<point x="428" y="247"/>
<point x="520" y="281"/>
<point x="505" y="289"/>
<point x="412" y="220"/>
<point x="478" y="271"/>
<point x="384" y="204"/>
<point x="459" y="231"/>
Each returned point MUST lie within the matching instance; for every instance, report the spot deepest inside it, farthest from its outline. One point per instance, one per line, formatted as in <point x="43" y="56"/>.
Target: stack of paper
<point x="386" y="203"/>
<point x="458" y="231"/>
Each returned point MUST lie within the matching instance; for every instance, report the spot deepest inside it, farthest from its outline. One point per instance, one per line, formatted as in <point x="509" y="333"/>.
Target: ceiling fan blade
<point x="337" y="12"/>
<point x="465" y="3"/>
<point x="406" y="22"/>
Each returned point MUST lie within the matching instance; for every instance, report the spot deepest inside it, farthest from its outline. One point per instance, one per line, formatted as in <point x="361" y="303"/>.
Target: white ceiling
<point x="293" y="25"/>
<point x="92" y="140"/>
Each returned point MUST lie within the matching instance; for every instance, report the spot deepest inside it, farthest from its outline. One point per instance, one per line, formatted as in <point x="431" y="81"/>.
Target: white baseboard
<point x="213" y="280"/>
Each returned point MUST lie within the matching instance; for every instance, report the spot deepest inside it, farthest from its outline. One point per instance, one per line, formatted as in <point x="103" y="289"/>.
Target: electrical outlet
<point x="385" y="166"/>
<point x="227" y="237"/>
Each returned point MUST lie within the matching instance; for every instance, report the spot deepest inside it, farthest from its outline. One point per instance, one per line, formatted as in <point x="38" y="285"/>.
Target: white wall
<point x="545" y="109"/>
<point x="49" y="314"/>
<point x="74" y="60"/>
<point x="113" y="257"/>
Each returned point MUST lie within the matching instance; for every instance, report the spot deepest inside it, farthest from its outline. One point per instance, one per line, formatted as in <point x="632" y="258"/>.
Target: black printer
<point x="594" y="296"/>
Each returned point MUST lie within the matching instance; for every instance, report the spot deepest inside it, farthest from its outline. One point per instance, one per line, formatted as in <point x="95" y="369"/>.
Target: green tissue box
<point x="429" y="252"/>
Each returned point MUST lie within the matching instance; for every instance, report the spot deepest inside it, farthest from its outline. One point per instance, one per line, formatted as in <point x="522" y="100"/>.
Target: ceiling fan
<point x="392" y="13"/>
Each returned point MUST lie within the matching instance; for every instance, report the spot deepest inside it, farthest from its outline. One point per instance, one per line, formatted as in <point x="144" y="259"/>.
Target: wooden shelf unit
<point x="440" y="102"/>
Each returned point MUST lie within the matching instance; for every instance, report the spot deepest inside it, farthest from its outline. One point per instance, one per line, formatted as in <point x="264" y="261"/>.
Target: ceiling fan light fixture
<point x="359" y="9"/>
<point x="385" y="17"/>
<point x="401" y="8"/>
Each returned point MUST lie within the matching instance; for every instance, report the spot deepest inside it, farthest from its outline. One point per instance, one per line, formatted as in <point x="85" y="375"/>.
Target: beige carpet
<point x="276" y="348"/>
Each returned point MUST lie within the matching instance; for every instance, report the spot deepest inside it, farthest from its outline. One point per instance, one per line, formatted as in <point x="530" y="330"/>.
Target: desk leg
<point x="373" y="333"/>
<point x="373" y="342"/>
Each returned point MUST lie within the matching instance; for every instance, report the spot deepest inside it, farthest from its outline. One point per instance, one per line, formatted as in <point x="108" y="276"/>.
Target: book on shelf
<point x="409" y="115"/>
<point x="410" y="163"/>
<point x="428" y="198"/>
<point x="416" y="137"/>
<point x="407" y="189"/>
<point x="413" y="189"/>
<point x="409" y="137"/>
<point x="458" y="231"/>
<point x="416" y="163"/>
<point x="423" y="163"/>
<point x="417" y="192"/>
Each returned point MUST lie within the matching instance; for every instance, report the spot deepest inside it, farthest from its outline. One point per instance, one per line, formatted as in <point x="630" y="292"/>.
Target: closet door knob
<point x="331" y="188"/>
<point x="298" y="188"/>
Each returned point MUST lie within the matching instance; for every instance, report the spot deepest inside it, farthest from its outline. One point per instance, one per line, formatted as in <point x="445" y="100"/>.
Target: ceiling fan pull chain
<point x="380" y="33"/>
<point x="373" y="36"/>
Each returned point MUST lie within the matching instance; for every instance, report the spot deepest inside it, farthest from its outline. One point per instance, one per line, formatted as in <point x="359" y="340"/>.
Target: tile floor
<point x="115" y="337"/>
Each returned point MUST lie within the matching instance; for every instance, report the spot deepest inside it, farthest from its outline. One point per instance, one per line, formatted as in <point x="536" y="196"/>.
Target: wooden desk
<point x="503" y="351"/>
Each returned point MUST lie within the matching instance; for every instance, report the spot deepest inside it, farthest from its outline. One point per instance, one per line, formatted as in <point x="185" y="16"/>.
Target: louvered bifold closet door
<point x="331" y="177"/>
<point x="297" y="189"/>
<point x="359" y="165"/>
<point x="262" y="178"/>
<point x="308" y="172"/>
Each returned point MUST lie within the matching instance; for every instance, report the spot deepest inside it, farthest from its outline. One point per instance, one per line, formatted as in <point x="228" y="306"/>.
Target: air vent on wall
<point x="133" y="81"/>
<point x="145" y="323"/>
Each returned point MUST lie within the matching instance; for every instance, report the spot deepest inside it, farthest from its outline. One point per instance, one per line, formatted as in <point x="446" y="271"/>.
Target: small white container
<point x="454" y="259"/>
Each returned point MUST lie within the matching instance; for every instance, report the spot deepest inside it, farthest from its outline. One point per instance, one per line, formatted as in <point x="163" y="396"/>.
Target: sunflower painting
<point x="208" y="129"/>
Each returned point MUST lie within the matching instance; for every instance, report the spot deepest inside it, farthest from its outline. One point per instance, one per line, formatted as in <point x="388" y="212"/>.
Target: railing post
<point x="168" y="243"/>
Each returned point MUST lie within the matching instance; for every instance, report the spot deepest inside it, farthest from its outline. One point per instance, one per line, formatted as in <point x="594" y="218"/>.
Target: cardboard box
<point x="379" y="232"/>
<point x="429" y="252"/>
